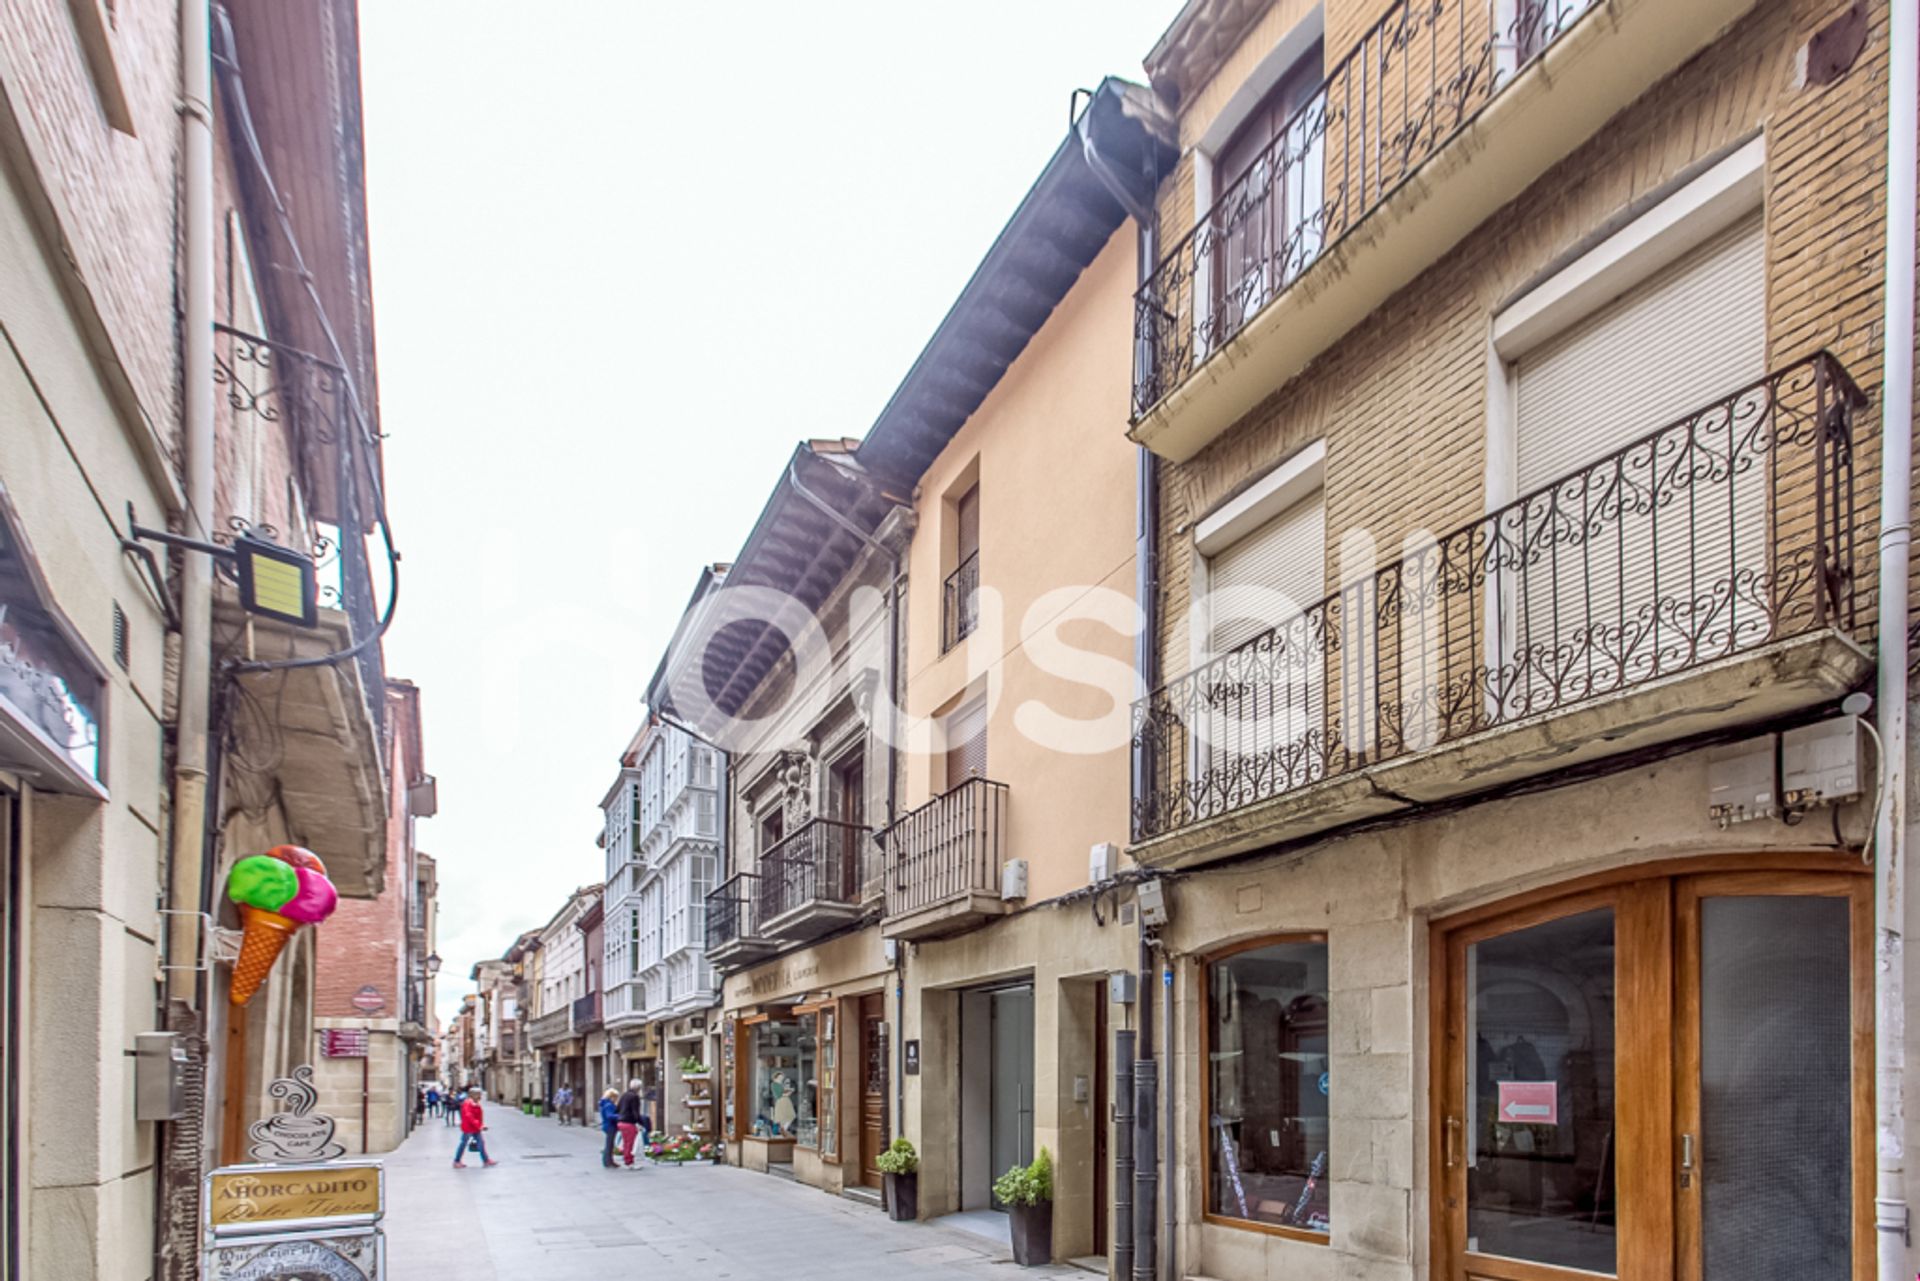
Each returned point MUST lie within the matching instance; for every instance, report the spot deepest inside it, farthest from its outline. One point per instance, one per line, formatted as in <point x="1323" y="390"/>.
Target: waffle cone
<point x="263" y="935"/>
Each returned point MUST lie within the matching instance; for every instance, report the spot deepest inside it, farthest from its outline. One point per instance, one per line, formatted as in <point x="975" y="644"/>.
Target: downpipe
<point x="1146" y="1101"/>
<point x="182" y="1142"/>
<point x="1891" y="1214"/>
<point x="1123" y="1053"/>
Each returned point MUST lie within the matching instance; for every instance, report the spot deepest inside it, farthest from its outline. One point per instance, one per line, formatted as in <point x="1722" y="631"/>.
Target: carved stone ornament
<point x="299" y="1133"/>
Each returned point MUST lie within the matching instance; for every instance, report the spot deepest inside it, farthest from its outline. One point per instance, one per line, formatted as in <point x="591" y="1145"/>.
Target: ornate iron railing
<point x="819" y="862"/>
<point x="586" y="1012"/>
<point x="733" y="910"/>
<point x="960" y="603"/>
<point x="1407" y="86"/>
<point x="952" y="846"/>
<point x="274" y="387"/>
<point x="1727" y="530"/>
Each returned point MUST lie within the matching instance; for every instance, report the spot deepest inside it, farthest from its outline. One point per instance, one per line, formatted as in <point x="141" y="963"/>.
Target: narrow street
<point x="549" y="1211"/>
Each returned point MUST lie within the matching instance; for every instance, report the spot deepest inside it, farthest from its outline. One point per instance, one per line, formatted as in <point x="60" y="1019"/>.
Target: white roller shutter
<point x="1627" y="566"/>
<point x="1694" y="331"/>
<point x="1274" y="572"/>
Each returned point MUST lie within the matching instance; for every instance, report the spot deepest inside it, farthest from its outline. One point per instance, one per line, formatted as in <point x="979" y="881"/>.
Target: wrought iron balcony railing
<point x="953" y="846"/>
<point x="277" y="388"/>
<point x="960" y="603"/>
<point x="1408" y="85"/>
<point x="586" y="1012"/>
<point x="733" y="911"/>
<point x="820" y="862"/>
<point x="1730" y="529"/>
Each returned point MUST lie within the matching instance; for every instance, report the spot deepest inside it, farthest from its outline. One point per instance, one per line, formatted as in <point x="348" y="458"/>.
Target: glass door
<point x="1775" y="1056"/>
<point x="1667" y="1079"/>
<point x="1010" y="1140"/>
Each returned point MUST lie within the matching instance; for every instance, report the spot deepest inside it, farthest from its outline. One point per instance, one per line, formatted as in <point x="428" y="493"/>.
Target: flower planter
<point x="902" y="1196"/>
<point x="1032" y="1234"/>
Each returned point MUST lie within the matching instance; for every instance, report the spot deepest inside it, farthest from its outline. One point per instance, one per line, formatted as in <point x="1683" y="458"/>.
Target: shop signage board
<point x="343" y="1042"/>
<point x="245" y="1199"/>
<point x="912" y="1049"/>
<point x="1529" y="1103"/>
<point x="355" y="1254"/>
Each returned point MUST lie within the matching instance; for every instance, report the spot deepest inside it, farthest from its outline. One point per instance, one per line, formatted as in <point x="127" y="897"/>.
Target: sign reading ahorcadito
<point x="244" y="1199"/>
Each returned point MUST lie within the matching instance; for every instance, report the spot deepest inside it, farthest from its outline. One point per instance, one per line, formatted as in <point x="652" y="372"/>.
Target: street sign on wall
<point x="369" y="1000"/>
<point x="343" y="1042"/>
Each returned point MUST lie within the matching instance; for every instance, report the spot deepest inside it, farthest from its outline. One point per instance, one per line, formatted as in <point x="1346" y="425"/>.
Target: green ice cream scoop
<point x="262" y="882"/>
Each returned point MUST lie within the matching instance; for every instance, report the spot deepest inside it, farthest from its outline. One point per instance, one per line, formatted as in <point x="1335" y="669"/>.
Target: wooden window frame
<point x="831" y="1008"/>
<point x="1207" y="961"/>
<point x="1656" y="1255"/>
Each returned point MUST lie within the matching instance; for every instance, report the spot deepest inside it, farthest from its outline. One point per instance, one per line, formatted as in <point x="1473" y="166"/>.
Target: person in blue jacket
<point x="609" y="1125"/>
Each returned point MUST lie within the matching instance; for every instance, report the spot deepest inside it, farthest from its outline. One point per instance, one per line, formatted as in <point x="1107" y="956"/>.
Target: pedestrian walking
<point x="419" y="1105"/>
<point x="449" y="1108"/>
<point x="473" y="1123"/>
<point x="609" y="1125"/>
<point x="563" y="1104"/>
<point x="632" y="1120"/>
<point x="433" y="1099"/>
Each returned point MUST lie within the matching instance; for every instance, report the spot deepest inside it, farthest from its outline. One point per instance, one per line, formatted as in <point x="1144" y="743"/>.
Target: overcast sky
<point x="625" y="254"/>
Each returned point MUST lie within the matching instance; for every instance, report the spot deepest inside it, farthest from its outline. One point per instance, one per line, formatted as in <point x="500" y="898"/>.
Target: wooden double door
<point x="1663" y="1079"/>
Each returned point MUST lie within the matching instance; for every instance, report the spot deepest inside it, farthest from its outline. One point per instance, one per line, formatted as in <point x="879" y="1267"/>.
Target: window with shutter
<point x="1626" y="554"/>
<point x="1268" y="576"/>
<point x="967" y="742"/>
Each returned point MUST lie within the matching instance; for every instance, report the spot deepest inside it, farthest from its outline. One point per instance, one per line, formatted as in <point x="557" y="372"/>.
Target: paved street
<point x="549" y="1211"/>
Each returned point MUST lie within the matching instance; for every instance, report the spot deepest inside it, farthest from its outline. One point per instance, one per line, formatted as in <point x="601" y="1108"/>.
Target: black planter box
<point x="1032" y="1234"/>
<point x="903" y="1196"/>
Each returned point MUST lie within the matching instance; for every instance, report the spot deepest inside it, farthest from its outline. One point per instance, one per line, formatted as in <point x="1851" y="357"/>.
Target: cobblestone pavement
<point x="549" y="1212"/>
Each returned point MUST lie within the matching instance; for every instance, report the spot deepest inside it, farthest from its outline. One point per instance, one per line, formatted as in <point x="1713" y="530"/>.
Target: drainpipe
<point x="176" y="1235"/>
<point x="1123" y="1052"/>
<point x="1896" y="481"/>
<point x="1171" y="1128"/>
<point x="1145" y="1130"/>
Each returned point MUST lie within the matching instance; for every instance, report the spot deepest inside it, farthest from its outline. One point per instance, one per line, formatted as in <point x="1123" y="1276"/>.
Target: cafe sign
<point x="244" y="1199"/>
<point x="353" y="1254"/>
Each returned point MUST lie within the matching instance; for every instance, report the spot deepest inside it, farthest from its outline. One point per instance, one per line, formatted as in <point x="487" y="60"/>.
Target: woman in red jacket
<point x="473" y="1120"/>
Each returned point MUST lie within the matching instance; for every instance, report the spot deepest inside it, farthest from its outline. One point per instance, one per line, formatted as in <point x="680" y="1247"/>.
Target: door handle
<point x="1452" y="1142"/>
<point x="1686" y="1160"/>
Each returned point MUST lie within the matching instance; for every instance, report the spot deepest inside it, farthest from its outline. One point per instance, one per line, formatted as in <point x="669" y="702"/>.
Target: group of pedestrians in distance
<point x="623" y="1120"/>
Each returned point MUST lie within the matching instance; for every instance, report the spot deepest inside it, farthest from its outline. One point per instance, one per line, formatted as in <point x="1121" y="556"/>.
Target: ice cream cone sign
<point x="276" y="892"/>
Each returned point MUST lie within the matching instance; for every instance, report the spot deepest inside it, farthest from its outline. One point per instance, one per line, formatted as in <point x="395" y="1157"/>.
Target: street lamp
<point x="433" y="964"/>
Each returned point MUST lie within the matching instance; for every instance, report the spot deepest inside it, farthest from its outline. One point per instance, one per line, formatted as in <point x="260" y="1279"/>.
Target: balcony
<point x="810" y="882"/>
<point x="734" y="936"/>
<point x="1440" y="114"/>
<point x="960" y="603"/>
<point x="1707" y="576"/>
<point x="943" y="862"/>
<point x="550" y="1028"/>
<point x="586" y="1012"/>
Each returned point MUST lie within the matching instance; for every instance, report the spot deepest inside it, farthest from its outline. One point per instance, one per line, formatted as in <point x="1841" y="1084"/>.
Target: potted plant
<point x="1027" y="1192"/>
<point x="692" y="1069"/>
<point x="900" y="1168"/>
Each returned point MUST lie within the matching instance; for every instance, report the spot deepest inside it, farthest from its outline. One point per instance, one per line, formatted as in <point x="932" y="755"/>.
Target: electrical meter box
<point x="1740" y="783"/>
<point x="159" y="1076"/>
<point x="1823" y="764"/>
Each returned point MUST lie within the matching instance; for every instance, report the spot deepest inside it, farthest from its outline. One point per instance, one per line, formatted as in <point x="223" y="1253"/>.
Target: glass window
<point x="1540" y="1052"/>
<point x="1267" y="1086"/>
<point x="829" y="1139"/>
<point x="783" y="1080"/>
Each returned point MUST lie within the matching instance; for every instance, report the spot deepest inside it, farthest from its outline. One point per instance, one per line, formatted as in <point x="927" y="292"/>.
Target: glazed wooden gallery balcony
<point x="1705" y="576"/>
<point x="1438" y="115"/>
<point x="944" y="860"/>
<point x="734" y="936"/>
<point x="810" y="881"/>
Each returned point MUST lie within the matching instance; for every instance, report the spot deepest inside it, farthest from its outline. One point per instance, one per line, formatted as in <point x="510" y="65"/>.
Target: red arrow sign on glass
<point x="1529" y="1102"/>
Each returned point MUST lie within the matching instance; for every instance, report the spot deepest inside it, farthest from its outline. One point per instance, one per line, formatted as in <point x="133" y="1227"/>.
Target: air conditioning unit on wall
<point x="1013" y="879"/>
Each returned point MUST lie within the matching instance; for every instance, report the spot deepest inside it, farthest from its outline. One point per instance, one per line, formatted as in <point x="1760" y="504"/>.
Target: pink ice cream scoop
<point x="314" y="901"/>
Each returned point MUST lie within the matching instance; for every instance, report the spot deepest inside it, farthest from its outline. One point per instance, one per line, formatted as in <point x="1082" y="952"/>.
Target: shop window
<point x="784" y="1061"/>
<point x="1267" y="1086"/>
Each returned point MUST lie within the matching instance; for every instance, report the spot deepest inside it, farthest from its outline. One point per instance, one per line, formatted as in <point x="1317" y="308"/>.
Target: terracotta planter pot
<point x="902" y="1196"/>
<point x="1032" y="1234"/>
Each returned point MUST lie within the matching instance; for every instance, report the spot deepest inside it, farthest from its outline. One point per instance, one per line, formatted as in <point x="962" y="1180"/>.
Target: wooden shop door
<point x="873" y="1086"/>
